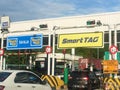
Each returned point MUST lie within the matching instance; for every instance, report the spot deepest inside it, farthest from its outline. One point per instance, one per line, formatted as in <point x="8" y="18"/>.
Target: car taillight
<point x="85" y="78"/>
<point x="69" y="77"/>
<point x="2" y="87"/>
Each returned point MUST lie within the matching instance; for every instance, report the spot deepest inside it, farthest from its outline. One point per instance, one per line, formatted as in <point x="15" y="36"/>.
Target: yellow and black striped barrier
<point x="54" y="81"/>
<point x="111" y="83"/>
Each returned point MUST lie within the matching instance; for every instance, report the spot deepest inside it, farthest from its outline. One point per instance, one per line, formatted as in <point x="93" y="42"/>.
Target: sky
<point x="23" y="10"/>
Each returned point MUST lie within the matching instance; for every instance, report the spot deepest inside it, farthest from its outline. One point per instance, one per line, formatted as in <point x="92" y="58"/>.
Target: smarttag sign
<point x="25" y="42"/>
<point x="93" y="39"/>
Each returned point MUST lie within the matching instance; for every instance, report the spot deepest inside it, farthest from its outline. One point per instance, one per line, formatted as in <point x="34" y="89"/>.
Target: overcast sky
<point x="22" y="10"/>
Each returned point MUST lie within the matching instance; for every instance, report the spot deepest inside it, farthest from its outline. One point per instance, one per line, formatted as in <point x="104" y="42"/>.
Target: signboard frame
<point x="89" y="39"/>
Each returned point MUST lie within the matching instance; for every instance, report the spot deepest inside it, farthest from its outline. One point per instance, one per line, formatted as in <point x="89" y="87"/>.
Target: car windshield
<point x="4" y="75"/>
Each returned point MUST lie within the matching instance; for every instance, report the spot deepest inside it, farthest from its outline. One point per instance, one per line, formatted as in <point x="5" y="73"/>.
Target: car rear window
<point x="4" y="75"/>
<point x="79" y="74"/>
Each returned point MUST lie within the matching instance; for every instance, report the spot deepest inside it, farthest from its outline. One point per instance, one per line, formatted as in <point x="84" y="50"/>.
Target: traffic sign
<point x="1" y="52"/>
<point x="25" y="42"/>
<point x="48" y="49"/>
<point x="5" y="22"/>
<point x="113" y="49"/>
<point x="64" y="51"/>
<point x="110" y="66"/>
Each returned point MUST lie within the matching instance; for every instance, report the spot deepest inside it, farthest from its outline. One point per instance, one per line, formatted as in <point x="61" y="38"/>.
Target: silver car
<point x="21" y="80"/>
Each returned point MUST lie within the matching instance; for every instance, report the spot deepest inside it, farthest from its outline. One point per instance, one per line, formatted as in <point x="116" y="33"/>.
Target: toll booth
<point x="42" y="64"/>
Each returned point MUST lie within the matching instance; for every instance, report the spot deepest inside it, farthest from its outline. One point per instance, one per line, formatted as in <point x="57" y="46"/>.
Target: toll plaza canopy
<point x="70" y="24"/>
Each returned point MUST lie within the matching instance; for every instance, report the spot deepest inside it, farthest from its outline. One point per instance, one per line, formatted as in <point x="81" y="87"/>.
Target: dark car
<point x="85" y="80"/>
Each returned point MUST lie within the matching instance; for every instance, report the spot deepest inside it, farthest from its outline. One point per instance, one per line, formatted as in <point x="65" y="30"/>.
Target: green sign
<point x="107" y="53"/>
<point x="106" y="56"/>
<point x="118" y="57"/>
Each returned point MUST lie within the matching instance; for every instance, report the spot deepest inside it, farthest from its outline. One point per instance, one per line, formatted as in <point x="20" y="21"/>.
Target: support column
<point x="4" y="63"/>
<point x="30" y="62"/>
<point x="48" y="55"/>
<point x="73" y="58"/>
<point x="53" y="56"/>
<point x="1" y="57"/>
<point x="115" y="43"/>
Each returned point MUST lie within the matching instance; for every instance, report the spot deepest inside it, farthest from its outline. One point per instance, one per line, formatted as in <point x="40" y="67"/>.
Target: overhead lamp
<point x="99" y="23"/>
<point x="34" y="29"/>
<point x="43" y="26"/>
<point x="93" y="23"/>
<point x="4" y="31"/>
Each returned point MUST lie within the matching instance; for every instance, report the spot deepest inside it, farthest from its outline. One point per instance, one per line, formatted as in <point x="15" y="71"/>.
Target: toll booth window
<point x="45" y="39"/>
<point x="118" y="36"/>
<point x="42" y="64"/>
<point x="59" y="68"/>
<point x="106" y="37"/>
<point x="118" y="45"/>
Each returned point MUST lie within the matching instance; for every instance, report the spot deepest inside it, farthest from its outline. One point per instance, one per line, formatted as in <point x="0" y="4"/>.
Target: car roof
<point x="80" y="71"/>
<point x="11" y="71"/>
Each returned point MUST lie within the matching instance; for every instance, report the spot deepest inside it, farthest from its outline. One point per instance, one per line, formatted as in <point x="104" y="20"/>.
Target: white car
<point x="21" y="80"/>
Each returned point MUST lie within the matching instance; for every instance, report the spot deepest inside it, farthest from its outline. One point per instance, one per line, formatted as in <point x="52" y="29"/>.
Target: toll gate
<point x="81" y="28"/>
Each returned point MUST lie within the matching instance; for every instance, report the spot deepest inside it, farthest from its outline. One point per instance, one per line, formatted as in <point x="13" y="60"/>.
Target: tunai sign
<point x="92" y="39"/>
<point x="25" y="42"/>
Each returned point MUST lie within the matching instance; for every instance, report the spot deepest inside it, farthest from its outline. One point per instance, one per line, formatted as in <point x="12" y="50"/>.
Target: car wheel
<point x="89" y="87"/>
<point x="73" y="89"/>
<point x="70" y="89"/>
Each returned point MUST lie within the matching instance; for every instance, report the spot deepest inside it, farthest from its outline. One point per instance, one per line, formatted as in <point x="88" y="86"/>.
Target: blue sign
<point x="25" y="42"/>
<point x="4" y="24"/>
